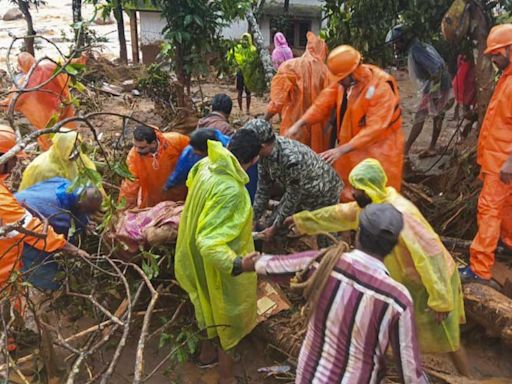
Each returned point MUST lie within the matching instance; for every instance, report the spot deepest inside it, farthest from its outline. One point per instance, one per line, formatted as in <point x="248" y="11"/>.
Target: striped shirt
<point x="361" y="311"/>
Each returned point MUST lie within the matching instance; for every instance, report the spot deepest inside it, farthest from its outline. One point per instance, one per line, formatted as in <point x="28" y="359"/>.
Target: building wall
<point x="151" y="26"/>
<point x="235" y="30"/>
<point x="150" y="35"/>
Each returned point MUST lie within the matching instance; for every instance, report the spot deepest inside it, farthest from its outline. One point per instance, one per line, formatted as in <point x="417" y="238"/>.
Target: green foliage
<point x="185" y="344"/>
<point x="365" y="23"/>
<point x="155" y="82"/>
<point x="150" y="264"/>
<point x="193" y="31"/>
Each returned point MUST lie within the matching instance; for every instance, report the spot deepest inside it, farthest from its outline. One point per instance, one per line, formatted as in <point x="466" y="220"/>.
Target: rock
<point x="13" y="14"/>
<point x="101" y="21"/>
<point x="128" y="85"/>
<point x="135" y="92"/>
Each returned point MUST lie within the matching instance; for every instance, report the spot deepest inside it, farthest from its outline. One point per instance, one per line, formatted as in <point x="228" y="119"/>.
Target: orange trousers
<point x="494" y="222"/>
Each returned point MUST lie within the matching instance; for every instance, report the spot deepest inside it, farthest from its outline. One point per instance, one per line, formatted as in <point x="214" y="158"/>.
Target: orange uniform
<point x="495" y="201"/>
<point x="296" y="85"/>
<point x="11" y="244"/>
<point x="370" y="121"/>
<point x="40" y="106"/>
<point x="151" y="172"/>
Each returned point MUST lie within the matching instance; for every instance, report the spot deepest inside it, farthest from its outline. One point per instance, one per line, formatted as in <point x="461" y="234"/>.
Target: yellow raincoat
<point x="56" y="161"/>
<point x="419" y="261"/>
<point x="215" y="228"/>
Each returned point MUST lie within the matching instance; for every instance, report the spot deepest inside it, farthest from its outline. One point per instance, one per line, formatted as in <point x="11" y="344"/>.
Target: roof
<point x="294" y="10"/>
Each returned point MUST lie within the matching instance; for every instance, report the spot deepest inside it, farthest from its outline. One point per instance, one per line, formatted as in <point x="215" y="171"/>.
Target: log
<point x="268" y="68"/>
<point x="453" y="242"/>
<point x="490" y="309"/>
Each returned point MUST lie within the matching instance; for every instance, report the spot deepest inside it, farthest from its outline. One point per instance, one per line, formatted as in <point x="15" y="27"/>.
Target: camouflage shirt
<point x="309" y="182"/>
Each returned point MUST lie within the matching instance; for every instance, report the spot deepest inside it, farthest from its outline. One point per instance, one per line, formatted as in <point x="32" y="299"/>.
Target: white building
<point x="304" y="16"/>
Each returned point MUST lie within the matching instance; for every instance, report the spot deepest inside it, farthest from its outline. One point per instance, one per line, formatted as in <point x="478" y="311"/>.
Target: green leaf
<point x="120" y="168"/>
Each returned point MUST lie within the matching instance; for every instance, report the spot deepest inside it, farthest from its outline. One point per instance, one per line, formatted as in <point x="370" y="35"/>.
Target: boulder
<point x="13" y="14"/>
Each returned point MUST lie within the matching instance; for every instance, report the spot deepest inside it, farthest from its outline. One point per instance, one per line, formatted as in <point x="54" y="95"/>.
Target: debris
<point x="491" y="309"/>
<point x="271" y="300"/>
<point x="111" y="89"/>
<point x="128" y="85"/>
<point x="12" y="14"/>
<point x="274" y="370"/>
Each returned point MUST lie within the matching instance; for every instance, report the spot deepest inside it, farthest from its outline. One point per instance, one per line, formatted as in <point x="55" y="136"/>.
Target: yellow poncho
<point x="419" y="261"/>
<point x="56" y="161"/>
<point x="215" y="228"/>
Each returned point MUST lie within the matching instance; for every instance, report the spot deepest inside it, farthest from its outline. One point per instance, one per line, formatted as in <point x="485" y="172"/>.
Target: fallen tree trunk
<point x="268" y="68"/>
<point x="491" y="309"/>
<point x="452" y="243"/>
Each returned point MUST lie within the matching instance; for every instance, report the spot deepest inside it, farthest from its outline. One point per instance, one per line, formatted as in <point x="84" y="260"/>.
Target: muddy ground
<point x="487" y="356"/>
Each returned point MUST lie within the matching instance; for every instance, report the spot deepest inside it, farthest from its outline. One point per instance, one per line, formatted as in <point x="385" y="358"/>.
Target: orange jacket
<point x="11" y="244"/>
<point x="296" y="85"/>
<point x="371" y="121"/>
<point x="152" y="171"/>
<point x="52" y="99"/>
<point x="495" y="140"/>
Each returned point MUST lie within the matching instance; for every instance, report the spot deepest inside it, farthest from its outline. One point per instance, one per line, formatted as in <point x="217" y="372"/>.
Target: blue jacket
<point x="189" y="158"/>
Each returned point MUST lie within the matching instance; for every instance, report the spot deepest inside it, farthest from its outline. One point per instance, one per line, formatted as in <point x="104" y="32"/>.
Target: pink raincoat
<point x="282" y="51"/>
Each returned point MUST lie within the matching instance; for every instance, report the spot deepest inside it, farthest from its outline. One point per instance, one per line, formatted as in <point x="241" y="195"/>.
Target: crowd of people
<point x="335" y="166"/>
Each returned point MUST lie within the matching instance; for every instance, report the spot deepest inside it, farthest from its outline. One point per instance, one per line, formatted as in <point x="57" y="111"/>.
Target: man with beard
<point x="419" y="261"/>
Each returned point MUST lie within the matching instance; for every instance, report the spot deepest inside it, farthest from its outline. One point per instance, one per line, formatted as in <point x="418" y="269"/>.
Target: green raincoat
<point x="419" y="261"/>
<point x="215" y="228"/>
<point x="246" y="57"/>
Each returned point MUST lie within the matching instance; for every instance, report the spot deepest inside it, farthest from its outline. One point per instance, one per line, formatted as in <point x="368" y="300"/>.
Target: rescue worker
<point x="429" y="71"/>
<point x="419" y="261"/>
<point x="151" y="160"/>
<point x="13" y="214"/>
<point x="307" y="181"/>
<point x="368" y="115"/>
<point x="51" y="100"/>
<point x="295" y="86"/>
<point x="495" y="159"/>
<point x="215" y="228"/>
<point x="63" y="159"/>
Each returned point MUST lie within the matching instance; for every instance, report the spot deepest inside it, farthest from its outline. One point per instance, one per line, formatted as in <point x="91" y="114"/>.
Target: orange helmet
<point x="499" y="37"/>
<point x="343" y="60"/>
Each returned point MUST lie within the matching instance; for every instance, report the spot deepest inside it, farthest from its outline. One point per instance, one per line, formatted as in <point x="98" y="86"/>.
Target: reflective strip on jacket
<point x="371" y="121"/>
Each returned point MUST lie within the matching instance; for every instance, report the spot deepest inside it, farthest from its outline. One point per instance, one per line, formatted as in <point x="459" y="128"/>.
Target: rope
<point x="313" y="286"/>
